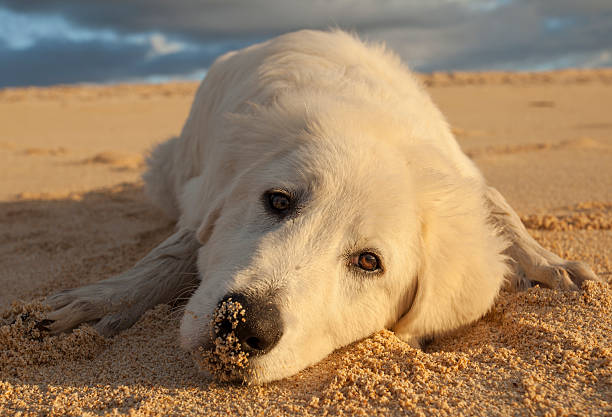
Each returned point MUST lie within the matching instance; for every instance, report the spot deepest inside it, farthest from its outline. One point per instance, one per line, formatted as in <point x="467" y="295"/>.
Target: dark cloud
<point x="212" y="19"/>
<point x="209" y="20"/>
<point x="517" y="35"/>
<point x="58" y="62"/>
<point x="429" y="35"/>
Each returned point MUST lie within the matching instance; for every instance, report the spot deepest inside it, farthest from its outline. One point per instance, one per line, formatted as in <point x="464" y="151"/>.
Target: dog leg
<point x="118" y="302"/>
<point x="531" y="263"/>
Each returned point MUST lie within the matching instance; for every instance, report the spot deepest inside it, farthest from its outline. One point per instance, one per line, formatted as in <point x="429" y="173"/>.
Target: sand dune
<point x="72" y="211"/>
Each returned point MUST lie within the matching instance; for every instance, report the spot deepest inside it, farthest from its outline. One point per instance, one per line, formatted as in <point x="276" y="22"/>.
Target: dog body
<point x="316" y="182"/>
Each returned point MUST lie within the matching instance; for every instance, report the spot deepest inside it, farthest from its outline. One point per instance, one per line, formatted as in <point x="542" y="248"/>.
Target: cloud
<point x="188" y="34"/>
<point x="60" y="61"/>
<point x="161" y="46"/>
<point x="214" y="19"/>
<point x="515" y="36"/>
<point x="21" y="31"/>
<point x="601" y="59"/>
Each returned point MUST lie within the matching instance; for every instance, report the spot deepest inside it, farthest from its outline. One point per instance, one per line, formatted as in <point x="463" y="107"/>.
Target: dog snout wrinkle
<point x="262" y="326"/>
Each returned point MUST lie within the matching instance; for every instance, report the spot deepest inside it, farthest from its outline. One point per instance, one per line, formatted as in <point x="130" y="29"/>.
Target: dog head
<point x="332" y="227"/>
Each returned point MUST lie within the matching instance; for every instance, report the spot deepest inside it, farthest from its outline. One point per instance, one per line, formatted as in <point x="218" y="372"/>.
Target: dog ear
<point x="208" y="223"/>
<point x="462" y="265"/>
<point x="199" y="213"/>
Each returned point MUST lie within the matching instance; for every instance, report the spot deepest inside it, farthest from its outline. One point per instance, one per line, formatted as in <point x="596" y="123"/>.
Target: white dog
<point x="318" y="189"/>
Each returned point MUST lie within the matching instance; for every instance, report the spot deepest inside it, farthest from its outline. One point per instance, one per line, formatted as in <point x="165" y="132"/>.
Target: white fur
<point x="349" y="127"/>
<point x="324" y="112"/>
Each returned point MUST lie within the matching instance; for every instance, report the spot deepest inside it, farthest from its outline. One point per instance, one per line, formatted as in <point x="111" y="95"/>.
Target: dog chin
<point x="272" y="366"/>
<point x="279" y="364"/>
<point x="264" y="369"/>
<point x="258" y="370"/>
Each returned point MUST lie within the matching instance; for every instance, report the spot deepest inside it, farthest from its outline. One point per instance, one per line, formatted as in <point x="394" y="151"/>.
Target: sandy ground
<point x="72" y="211"/>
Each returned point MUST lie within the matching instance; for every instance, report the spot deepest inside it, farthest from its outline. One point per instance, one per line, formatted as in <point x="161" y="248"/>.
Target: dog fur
<point x="347" y="129"/>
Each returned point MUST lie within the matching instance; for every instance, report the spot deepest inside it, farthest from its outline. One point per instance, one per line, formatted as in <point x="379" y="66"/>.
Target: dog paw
<point x="107" y="311"/>
<point x="564" y="275"/>
<point x="578" y="272"/>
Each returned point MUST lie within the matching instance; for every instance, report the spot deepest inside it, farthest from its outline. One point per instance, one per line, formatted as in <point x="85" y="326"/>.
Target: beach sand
<point x="72" y="211"/>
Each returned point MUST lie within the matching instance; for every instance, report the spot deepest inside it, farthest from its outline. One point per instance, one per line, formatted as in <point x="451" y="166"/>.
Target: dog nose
<point x="259" y="328"/>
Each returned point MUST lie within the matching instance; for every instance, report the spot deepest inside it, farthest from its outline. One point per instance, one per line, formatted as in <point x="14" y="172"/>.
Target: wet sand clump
<point x="225" y="359"/>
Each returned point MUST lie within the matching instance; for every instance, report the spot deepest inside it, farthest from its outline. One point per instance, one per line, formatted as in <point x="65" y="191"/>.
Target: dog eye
<point x="366" y="261"/>
<point x="279" y="202"/>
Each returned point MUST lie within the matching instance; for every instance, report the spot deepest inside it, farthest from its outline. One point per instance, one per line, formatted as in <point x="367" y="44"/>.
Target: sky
<point x="46" y="42"/>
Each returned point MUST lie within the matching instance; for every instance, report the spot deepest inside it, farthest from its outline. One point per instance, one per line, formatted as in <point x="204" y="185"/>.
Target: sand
<point x="72" y="211"/>
<point x="227" y="358"/>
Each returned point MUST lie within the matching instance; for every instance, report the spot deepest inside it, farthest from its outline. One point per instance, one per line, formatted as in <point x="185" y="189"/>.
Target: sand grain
<point x="543" y="139"/>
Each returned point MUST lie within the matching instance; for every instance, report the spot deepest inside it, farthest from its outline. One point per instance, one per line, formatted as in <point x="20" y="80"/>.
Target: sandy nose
<point x="261" y="328"/>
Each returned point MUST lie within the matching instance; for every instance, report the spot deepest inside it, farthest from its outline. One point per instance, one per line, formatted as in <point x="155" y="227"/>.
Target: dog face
<point x="327" y="240"/>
